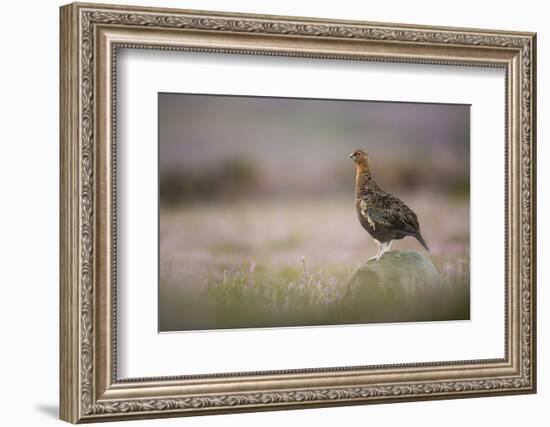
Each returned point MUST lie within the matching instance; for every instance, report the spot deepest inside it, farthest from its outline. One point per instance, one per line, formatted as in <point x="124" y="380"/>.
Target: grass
<point x="287" y="298"/>
<point x="270" y="263"/>
<point x="290" y="297"/>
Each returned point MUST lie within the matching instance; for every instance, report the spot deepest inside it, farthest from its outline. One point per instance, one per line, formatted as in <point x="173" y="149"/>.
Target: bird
<point x="383" y="215"/>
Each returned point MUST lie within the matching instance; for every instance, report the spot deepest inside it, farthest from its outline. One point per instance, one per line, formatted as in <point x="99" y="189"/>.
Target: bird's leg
<point x="382" y="251"/>
<point x="379" y="253"/>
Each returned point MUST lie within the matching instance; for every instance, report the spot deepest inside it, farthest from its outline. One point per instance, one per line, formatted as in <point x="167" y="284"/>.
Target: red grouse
<point x="383" y="215"/>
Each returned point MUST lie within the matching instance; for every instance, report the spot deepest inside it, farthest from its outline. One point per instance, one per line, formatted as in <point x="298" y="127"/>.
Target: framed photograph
<point x="266" y="212"/>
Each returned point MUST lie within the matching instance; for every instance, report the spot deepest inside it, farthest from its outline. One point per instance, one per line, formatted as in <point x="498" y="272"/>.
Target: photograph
<point x="293" y="212"/>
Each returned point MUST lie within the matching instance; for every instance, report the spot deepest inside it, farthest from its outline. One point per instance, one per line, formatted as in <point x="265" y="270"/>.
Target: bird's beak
<point x="351" y="156"/>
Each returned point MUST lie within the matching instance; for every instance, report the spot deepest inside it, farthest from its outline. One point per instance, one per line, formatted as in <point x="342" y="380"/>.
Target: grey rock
<point x="402" y="285"/>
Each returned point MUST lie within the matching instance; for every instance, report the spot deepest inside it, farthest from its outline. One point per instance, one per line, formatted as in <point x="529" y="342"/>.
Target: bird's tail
<point x="422" y="241"/>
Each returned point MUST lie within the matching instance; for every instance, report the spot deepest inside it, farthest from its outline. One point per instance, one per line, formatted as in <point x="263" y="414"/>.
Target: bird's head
<point x="360" y="158"/>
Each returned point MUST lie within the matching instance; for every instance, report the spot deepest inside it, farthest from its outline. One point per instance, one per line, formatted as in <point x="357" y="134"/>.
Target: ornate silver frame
<point x="90" y="36"/>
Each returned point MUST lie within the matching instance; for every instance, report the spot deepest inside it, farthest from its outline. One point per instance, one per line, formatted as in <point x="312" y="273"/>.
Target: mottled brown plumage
<point x="383" y="215"/>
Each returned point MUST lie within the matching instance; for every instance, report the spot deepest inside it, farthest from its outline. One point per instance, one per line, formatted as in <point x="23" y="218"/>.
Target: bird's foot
<point x="375" y="258"/>
<point x="382" y="249"/>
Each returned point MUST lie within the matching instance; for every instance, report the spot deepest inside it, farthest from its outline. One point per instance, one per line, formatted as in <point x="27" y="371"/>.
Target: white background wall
<point x="29" y="170"/>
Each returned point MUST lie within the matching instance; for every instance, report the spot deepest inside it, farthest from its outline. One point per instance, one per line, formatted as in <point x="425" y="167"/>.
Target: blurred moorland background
<point x="257" y="219"/>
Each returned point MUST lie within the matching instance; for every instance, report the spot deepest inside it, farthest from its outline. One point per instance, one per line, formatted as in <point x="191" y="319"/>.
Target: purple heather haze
<point x="302" y="145"/>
